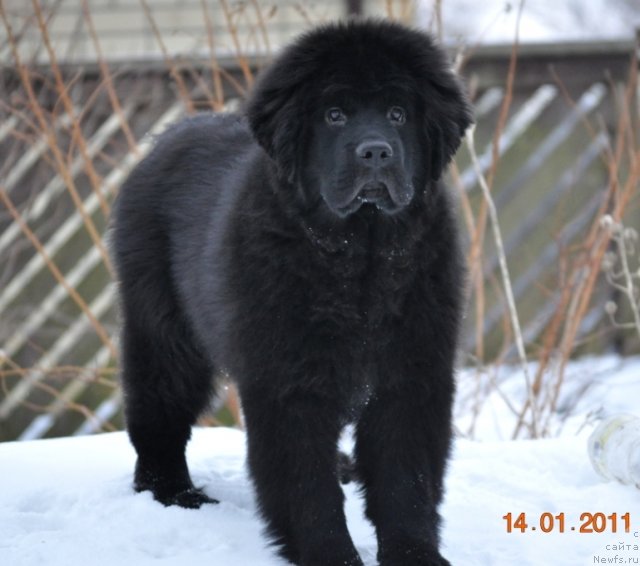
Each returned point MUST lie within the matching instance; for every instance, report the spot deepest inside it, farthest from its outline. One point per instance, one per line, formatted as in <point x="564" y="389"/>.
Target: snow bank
<point x="70" y="501"/>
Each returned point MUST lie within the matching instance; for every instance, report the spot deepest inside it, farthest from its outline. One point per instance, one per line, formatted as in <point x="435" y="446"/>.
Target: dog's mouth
<point x="374" y="193"/>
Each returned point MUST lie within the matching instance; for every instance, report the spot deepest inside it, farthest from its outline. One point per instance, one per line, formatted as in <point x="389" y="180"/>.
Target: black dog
<point x="307" y="249"/>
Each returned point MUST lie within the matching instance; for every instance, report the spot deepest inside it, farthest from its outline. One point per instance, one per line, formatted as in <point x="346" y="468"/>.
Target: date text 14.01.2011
<point x="588" y="523"/>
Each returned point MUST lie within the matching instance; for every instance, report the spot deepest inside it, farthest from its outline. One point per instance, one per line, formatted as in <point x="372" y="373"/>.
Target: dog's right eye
<point x="335" y="117"/>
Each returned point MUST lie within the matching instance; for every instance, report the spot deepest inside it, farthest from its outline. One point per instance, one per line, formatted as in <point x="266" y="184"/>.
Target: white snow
<point x="495" y="21"/>
<point x="70" y="502"/>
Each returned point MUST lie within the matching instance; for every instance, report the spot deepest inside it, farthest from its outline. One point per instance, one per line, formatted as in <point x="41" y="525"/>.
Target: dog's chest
<point x="362" y="291"/>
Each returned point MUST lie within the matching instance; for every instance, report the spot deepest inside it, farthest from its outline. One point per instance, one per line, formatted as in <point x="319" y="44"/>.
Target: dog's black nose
<point x="374" y="153"/>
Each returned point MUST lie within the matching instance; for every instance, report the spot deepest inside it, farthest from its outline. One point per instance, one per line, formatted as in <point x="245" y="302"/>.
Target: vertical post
<point x="637" y="62"/>
<point x="354" y="7"/>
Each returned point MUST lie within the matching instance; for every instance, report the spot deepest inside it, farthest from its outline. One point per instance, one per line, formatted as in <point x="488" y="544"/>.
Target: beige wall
<point x="125" y="29"/>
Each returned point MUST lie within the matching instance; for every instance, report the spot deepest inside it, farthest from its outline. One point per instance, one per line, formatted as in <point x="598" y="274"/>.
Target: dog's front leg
<point x="292" y="442"/>
<point x="402" y="445"/>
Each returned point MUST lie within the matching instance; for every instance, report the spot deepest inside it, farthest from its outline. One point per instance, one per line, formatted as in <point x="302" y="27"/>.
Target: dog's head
<point x="361" y="113"/>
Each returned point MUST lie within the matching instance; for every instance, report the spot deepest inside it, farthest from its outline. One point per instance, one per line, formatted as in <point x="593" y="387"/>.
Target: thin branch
<point x="106" y="73"/>
<point x="62" y="90"/>
<point x="173" y="70"/>
<point x="215" y="67"/>
<point x="506" y="279"/>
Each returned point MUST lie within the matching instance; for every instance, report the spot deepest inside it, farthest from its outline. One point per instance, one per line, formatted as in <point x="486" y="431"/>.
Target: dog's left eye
<point x="397" y="115"/>
<point x="335" y="117"/>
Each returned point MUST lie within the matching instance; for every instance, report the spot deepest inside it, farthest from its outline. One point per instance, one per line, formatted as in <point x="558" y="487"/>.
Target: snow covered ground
<point x="69" y="501"/>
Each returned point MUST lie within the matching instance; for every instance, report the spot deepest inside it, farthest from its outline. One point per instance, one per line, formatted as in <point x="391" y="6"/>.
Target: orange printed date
<point x="550" y="523"/>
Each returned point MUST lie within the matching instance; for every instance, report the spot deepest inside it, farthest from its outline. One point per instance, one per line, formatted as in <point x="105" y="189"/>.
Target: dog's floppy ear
<point x="447" y="114"/>
<point x="446" y="108"/>
<point x="275" y="114"/>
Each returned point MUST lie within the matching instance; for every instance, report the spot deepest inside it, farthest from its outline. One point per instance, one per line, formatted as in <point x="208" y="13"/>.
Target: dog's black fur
<point x="308" y="249"/>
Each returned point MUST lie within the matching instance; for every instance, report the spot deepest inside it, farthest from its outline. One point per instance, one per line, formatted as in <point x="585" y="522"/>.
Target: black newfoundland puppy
<point x="308" y="249"/>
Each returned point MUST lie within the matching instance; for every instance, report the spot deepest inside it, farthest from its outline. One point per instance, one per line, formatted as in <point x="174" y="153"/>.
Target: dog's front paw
<point x="169" y="488"/>
<point x="192" y="498"/>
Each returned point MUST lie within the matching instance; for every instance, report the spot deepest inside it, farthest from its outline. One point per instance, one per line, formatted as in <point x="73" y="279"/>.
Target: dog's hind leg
<point x="167" y="382"/>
